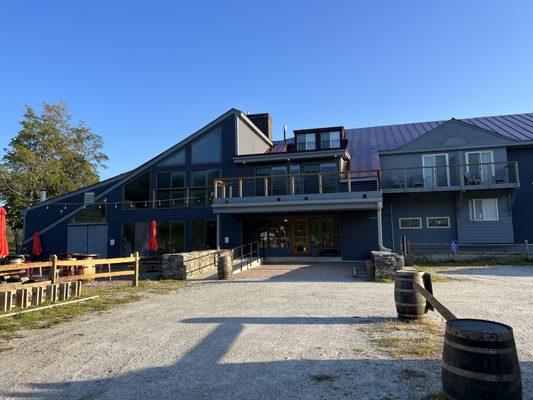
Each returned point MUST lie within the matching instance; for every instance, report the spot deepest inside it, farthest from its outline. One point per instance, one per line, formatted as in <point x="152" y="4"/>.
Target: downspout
<point x="218" y="231"/>
<point x="380" y="229"/>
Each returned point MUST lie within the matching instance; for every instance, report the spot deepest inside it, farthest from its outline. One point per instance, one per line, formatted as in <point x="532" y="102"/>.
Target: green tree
<point x="49" y="153"/>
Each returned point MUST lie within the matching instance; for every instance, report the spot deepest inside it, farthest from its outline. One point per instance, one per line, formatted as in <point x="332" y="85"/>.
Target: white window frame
<point x="438" y="227"/>
<point x="410" y="227"/>
<point x="434" y="176"/>
<point x="330" y="141"/>
<point x="480" y="152"/>
<point x="472" y="209"/>
<point x="88" y="198"/>
<point x="306" y="142"/>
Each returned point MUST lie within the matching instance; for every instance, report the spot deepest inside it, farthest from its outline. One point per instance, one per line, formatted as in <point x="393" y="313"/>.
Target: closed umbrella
<point x="37" y="248"/>
<point x="152" y="239"/>
<point x="4" y="248"/>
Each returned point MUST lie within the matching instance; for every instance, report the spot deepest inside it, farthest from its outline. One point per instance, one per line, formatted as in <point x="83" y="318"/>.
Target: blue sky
<point x="145" y="74"/>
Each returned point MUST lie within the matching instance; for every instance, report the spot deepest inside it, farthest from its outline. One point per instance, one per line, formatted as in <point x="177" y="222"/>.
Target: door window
<point x="436" y="170"/>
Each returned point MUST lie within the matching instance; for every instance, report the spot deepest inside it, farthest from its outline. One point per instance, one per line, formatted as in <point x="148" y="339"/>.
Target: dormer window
<point x="330" y="140"/>
<point x="306" y="141"/>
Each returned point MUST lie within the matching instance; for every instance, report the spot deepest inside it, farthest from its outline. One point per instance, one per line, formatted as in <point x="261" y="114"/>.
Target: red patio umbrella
<point x="37" y="249"/>
<point x="152" y="239"/>
<point x="4" y="248"/>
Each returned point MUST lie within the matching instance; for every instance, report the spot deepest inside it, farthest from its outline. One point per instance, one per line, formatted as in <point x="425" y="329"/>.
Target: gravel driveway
<point x="278" y="332"/>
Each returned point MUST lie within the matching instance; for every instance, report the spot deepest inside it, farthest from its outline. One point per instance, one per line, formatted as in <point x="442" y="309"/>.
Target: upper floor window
<point x="480" y="165"/>
<point x="306" y="141"/>
<point x="330" y="140"/>
<point x="436" y="170"/>
<point x="92" y="213"/>
<point x="208" y="148"/>
<point x="484" y="210"/>
<point x="202" y="186"/>
<point x="170" y="190"/>
<point x="137" y="192"/>
<point x="176" y="158"/>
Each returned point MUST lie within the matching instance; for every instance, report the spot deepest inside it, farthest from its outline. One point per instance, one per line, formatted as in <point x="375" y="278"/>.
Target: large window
<point x="330" y="140"/>
<point x="438" y="222"/>
<point x="202" y="187"/>
<point x="325" y="236"/>
<point x="410" y="223"/>
<point x="170" y="237"/>
<point x="92" y="213"/>
<point x="170" y="190"/>
<point x="480" y="165"/>
<point x="436" y="170"/>
<point x="208" y="148"/>
<point x="204" y="235"/>
<point x="137" y="192"/>
<point x="176" y="158"/>
<point x="306" y="141"/>
<point x="274" y="233"/>
<point x="484" y="210"/>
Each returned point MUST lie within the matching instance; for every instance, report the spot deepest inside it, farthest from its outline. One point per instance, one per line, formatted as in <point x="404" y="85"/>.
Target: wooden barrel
<point x="225" y="267"/>
<point x="479" y="361"/>
<point x="410" y="305"/>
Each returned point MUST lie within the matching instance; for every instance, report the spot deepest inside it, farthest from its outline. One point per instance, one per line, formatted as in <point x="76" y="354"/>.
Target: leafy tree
<point x="49" y="153"/>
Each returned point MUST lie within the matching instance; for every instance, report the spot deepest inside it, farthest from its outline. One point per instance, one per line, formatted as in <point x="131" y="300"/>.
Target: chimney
<point x="43" y="195"/>
<point x="284" y="133"/>
<point x="263" y="122"/>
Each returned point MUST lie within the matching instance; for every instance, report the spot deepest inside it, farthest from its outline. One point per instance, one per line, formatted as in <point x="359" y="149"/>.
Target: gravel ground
<point x="277" y="332"/>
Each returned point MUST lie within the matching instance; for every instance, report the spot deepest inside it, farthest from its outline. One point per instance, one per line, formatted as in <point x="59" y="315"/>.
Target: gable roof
<point x="392" y="137"/>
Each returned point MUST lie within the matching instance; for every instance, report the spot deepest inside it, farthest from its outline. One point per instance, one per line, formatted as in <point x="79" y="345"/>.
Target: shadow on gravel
<point x="202" y="374"/>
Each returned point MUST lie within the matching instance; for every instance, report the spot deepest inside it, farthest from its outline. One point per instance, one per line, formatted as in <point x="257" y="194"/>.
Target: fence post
<point x="136" y="267"/>
<point x="526" y="249"/>
<point x="409" y="250"/>
<point x="53" y="270"/>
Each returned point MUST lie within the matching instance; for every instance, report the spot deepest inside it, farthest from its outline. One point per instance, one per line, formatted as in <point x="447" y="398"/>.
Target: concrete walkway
<point x="276" y="332"/>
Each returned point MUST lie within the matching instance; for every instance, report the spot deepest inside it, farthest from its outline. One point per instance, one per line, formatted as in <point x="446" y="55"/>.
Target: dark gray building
<point x="326" y="192"/>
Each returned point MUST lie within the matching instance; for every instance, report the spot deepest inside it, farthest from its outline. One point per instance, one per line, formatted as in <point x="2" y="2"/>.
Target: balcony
<point x="451" y="177"/>
<point x="327" y="191"/>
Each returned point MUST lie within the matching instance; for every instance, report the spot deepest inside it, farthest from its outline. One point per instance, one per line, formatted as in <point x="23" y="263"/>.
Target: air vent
<point x="88" y="198"/>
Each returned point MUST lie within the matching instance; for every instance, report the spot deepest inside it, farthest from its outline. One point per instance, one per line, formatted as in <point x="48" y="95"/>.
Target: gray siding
<point x="359" y="234"/>
<point x="418" y="206"/>
<point x="249" y="142"/>
<point x="500" y="231"/>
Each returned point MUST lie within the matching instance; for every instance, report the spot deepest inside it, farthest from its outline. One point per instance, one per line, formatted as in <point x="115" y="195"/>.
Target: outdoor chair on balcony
<point x="500" y="176"/>
<point x="396" y="183"/>
<point x="472" y="180"/>
<point x="417" y="181"/>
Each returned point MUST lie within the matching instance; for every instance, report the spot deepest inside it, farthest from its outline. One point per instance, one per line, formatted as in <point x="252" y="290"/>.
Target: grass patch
<point x="419" y="339"/>
<point x="323" y="378"/>
<point x="422" y="262"/>
<point x="385" y="280"/>
<point x="111" y="294"/>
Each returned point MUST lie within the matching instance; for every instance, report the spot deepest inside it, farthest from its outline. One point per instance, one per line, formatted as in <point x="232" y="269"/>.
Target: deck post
<point x="136" y="267"/>
<point x="319" y="183"/>
<point x="266" y="185"/>
<point x="223" y="190"/>
<point x="405" y="179"/>
<point x="516" y="174"/>
<point x="462" y="176"/>
<point x="215" y="185"/>
<point x="291" y="179"/>
<point x="53" y="269"/>
<point x="240" y="187"/>
<point x="349" y="178"/>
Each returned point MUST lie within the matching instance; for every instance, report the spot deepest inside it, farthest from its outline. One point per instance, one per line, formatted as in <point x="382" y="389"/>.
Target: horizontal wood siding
<point x="249" y="141"/>
<point x="359" y="234"/>
<point x="523" y="202"/>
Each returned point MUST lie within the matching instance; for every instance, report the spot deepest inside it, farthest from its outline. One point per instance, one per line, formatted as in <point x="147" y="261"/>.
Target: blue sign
<point x="454" y="245"/>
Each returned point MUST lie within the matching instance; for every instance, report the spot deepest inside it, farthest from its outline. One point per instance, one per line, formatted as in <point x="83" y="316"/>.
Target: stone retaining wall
<point x="386" y="264"/>
<point x="185" y="265"/>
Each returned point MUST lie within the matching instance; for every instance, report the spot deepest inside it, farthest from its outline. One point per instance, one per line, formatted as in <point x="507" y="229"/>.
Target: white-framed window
<point x="410" y="223"/>
<point x="436" y="170"/>
<point x="330" y="140"/>
<point x="306" y="141"/>
<point x="480" y="164"/>
<point x="438" y="222"/>
<point x="484" y="210"/>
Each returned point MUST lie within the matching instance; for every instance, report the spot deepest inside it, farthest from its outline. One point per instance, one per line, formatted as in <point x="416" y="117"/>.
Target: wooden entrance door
<point x="300" y="246"/>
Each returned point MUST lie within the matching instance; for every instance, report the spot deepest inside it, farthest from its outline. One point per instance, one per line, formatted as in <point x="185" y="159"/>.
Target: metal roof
<point x="364" y="144"/>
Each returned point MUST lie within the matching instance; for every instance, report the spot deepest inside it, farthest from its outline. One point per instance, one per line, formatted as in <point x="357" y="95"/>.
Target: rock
<point x="184" y="265"/>
<point x="386" y="264"/>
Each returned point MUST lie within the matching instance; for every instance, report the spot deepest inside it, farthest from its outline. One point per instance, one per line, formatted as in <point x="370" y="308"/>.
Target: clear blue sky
<point x="145" y="74"/>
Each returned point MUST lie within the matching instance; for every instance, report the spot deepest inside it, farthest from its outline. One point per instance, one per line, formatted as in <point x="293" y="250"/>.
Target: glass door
<point x="300" y="245"/>
<point x="436" y="171"/>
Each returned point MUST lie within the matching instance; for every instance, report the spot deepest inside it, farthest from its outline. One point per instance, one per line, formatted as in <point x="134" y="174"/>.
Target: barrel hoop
<point x="480" y="376"/>
<point x="412" y="304"/>
<point x="397" y="278"/>
<point x="417" y="316"/>
<point x="482" y="350"/>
